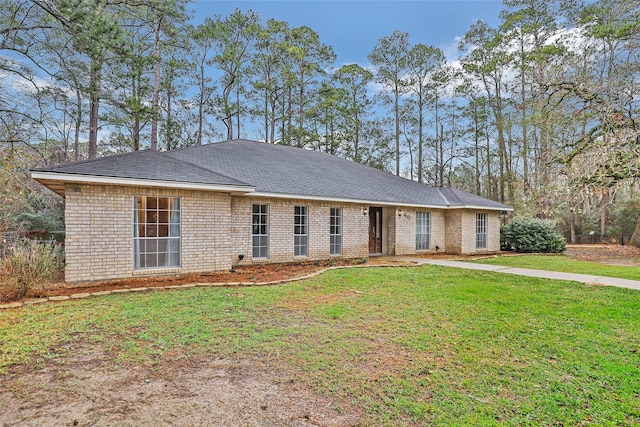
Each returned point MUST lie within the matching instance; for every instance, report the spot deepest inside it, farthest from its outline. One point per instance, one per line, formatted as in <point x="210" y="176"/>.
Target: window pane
<point x="335" y="231"/>
<point x="260" y="230"/>
<point x="300" y="221"/>
<point x="423" y="230"/>
<point x="152" y="246"/>
<point x="481" y="231"/>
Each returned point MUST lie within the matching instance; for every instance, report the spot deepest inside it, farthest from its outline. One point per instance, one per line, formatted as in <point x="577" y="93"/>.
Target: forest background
<point x="540" y="111"/>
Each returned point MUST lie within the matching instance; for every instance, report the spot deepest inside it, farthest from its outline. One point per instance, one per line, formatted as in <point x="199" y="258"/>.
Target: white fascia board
<point x="483" y="208"/>
<point x="369" y="202"/>
<point x="108" y="180"/>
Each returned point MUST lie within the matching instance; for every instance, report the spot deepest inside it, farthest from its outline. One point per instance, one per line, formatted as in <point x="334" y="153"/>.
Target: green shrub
<point x="531" y="235"/>
<point x="28" y="264"/>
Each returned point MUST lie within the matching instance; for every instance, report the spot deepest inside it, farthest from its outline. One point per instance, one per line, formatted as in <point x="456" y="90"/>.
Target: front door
<point x="375" y="230"/>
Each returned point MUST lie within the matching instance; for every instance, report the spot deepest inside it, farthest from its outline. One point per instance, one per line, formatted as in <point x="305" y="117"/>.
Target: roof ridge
<point x="446" y="201"/>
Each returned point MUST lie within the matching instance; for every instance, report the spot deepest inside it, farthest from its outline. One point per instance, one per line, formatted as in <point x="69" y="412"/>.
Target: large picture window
<point x="260" y="231"/>
<point x="481" y="231"/>
<point x="335" y="231"/>
<point x="300" y="231"/>
<point x="423" y="230"/>
<point x="156" y="232"/>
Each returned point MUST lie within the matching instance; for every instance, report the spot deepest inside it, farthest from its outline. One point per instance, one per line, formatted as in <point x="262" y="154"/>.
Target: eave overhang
<point x="376" y="202"/>
<point x="56" y="181"/>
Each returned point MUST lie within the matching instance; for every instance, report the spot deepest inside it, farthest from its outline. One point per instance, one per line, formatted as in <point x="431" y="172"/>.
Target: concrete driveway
<point x="544" y="274"/>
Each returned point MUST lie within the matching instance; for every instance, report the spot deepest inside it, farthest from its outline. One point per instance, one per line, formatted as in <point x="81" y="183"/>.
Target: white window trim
<point x="339" y="227"/>
<point x="304" y="215"/>
<point x="266" y="214"/>
<point x="428" y="233"/>
<point x="174" y="227"/>
<point x="481" y="230"/>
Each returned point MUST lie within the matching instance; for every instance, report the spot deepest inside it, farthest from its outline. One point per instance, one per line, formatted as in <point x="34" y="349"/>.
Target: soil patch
<point x="605" y="254"/>
<point x="263" y="273"/>
<point x="90" y="390"/>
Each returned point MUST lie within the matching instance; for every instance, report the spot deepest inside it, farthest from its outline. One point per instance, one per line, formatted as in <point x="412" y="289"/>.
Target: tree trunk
<point x="169" y="130"/>
<point x="300" y="139"/>
<point x="635" y="237"/>
<point x="420" y="132"/>
<point x="94" y="105"/>
<point x="441" y="155"/>
<point x="76" y="139"/>
<point x="238" y="110"/>
<point x="603" y="216"/>
<point x="156" y="89"/>
<point x="228" y="119"/>
<point x="397" y="111"/>
<point x="136" y="132"/>
<point x="477" y="146"/>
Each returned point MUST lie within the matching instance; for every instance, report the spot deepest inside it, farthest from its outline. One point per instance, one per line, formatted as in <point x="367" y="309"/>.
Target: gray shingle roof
<point x="146" y="164"/>
<point x="275" y="169"/>
<point x="293" y="171"/>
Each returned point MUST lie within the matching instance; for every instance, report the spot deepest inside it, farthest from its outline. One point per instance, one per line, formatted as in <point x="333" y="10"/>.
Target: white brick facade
<point x="216" y="230"/>
<point x="355" y="229"/>
<point x="99" y="231"/>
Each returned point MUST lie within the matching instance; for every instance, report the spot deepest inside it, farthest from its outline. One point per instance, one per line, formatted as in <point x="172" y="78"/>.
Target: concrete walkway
<point x="544" y="274"/>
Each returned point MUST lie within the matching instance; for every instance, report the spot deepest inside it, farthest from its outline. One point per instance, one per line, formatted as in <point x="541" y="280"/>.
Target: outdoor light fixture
<point x="365" y="211"/>
<point x="399" y="212"/>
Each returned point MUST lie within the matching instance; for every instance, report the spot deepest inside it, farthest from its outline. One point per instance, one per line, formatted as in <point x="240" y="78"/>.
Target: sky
<point x="352" y="28"/>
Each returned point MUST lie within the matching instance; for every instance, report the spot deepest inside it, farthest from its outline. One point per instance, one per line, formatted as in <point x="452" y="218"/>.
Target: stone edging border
<point x="18" y="304"/>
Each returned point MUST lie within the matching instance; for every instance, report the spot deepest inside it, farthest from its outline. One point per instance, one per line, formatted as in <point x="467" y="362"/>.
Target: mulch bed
<point x="244" y="274"/>
<point x="608" y="254"/>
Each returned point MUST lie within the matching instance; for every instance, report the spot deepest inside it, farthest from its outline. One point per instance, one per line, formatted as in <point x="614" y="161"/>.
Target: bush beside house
<point x="531" y="235"/>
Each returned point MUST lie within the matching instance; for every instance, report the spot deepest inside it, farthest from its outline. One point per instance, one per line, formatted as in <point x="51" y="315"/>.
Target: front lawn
<point x="565" y="264"/>
<point x="410" y="346"/>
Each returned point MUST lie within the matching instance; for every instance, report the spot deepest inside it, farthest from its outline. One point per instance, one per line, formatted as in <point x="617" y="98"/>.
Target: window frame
<point x="423" y="228"/>
<point x="301" y="231"/>
<point x="335" y="231"/>
<point x="481" y="230"/>
<point x="157" y="232"/>
<point x="260" y="231"/>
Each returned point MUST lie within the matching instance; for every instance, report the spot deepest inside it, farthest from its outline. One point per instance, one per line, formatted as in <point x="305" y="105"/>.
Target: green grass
<point x="410" y="346"/>
<point x="565" y="264"/>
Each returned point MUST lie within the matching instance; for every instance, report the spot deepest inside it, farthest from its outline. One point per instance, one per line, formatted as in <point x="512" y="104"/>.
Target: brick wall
<point x="461" y="231"/>
<point x="216" y="229"/>
<point x="355" y="229"/>
<point x="453" y="225"/>
<point x="99" y="231"/>
<point x="404" y="228"/>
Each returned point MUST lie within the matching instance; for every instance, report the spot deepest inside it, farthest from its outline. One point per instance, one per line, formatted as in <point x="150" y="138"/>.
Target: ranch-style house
<point x="239" y="202"/>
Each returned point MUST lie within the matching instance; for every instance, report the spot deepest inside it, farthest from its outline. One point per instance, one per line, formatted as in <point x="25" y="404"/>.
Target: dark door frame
<point x="375" y="230"/>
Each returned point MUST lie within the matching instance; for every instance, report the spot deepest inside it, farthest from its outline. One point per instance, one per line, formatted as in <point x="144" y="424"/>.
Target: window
<point x="423" y="230"/>
<point x="300" y="231"/>
<point x="335" y="231"/>
<point x="481" y="231"/>
<point x="156" y="232"/>
<point x="260" y="231"/>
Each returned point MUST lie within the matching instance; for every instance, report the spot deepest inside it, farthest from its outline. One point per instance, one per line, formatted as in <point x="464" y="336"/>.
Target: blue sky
<point x="352" y="28"/>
